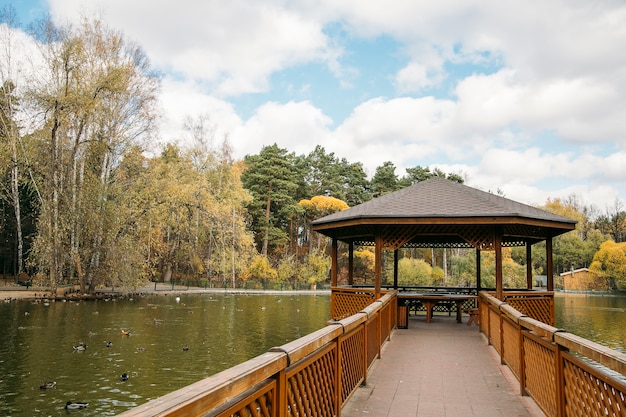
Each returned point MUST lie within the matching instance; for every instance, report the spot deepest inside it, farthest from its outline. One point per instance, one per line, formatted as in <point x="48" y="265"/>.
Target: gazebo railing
<point x="313" y="376"/>
<point x="346" y="301"/>
<point x="536" y="304"/>
<point x="565" y="374"/>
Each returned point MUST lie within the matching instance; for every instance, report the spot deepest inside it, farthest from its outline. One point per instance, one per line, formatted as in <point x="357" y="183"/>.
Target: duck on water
<point x="71" y="406"/>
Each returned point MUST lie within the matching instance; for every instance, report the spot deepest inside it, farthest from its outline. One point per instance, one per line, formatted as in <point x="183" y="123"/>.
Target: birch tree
<point x="96" y="95"/>
<point x="9" y="130"/>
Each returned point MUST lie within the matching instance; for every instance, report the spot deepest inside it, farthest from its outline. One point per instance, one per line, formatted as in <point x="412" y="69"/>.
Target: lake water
<point x="171" y="344"/>
<point x="600" y="318"/>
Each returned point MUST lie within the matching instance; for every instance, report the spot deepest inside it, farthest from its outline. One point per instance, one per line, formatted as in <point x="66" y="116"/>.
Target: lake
<point x="171" y="344"/>
<point x="597" y="317"/>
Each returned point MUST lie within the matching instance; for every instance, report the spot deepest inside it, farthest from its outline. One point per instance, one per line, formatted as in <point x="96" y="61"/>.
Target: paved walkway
<point x="438" y="369"/>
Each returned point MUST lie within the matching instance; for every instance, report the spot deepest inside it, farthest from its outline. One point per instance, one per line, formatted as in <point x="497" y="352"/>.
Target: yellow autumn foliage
<point x="322" y="205"/>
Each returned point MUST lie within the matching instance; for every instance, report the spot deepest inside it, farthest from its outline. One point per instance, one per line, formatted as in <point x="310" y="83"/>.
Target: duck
<point x="75" y="405"/>
<point x="109" y="344"/>
<point x="125" y="333"/>
<point x="124" y="377"/>
<point x="80" y="347"/>
<point x="48" y="385"/>
<point x="185" y="348"/>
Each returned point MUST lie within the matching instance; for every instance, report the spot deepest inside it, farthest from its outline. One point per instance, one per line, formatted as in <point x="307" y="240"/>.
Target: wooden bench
<point x="474" y="316"/>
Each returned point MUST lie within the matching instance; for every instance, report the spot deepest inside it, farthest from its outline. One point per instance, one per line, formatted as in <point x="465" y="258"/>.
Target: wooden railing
<point x="311" y="376"/>
<point x="536" y="304"/>
<point x="565" y="374"/>
<point x="347" y="301"/>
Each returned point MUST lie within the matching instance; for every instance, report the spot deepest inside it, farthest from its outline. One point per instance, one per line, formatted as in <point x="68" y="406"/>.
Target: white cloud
<point x="550" y="70"/>
<point x="233" y="46"/>
<point x="296" y="126"/>
<point x="180" y="100"/>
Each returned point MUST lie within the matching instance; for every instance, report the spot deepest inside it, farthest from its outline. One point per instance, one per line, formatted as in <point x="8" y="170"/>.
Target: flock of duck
<point x="80" y="347"/>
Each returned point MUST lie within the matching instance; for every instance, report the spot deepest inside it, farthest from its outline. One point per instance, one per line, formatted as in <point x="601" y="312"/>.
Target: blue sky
<point x="525" y="97"/>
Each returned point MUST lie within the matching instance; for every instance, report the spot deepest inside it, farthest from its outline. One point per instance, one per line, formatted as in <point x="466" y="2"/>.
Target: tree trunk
<point x="266" y="237"/>
<point x="15" y="192"/>
<point x="167" y="274"/>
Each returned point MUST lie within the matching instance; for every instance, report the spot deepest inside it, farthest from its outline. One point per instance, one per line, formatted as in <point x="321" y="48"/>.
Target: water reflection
<point x="600" y="318"/>
<point x="171" y="344"/>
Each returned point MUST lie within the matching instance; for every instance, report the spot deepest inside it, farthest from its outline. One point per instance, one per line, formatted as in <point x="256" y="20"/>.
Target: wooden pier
<point x="441" y="368"/>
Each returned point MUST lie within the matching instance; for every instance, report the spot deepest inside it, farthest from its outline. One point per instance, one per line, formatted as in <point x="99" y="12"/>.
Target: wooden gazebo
<point x="442" y="213"/>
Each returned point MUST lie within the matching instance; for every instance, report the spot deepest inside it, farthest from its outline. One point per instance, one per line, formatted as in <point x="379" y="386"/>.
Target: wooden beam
<point x="396" y="256"/>
<point x="558" y="226"/>
<point x="549" y="264"/>
<point x="351" y="263"/>
<point x="498" y="249"/>
<point x="529" y="266"/>
<point x="333" y="267"/>
<point x="378" y="265"/>
<point x="478" y="272"/>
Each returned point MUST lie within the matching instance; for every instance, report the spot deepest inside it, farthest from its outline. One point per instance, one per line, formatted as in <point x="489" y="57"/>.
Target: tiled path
<point x="439" y="369"/>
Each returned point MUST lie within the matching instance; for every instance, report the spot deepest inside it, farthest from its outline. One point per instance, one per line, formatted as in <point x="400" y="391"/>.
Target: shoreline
<point x="19" y="293"/>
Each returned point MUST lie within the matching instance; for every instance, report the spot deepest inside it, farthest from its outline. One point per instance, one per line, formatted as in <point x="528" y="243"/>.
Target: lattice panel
<point x="539" y="308"/>
<point x="352" y="373"/>
<point x="511" y="347"/>
<point x="372" y="339"/>
<point x="480" y="237"/>
<point x="346" y="304"/>
<point x="588" y="395"/>
<point x="384" y="321"/>
<point x="311" y="388"/>
<point x="395" y="237"/>
<point x="259" y="403"/>
<point x="539" y="372"/>
<point x="484" y="318"/>
<point x="494" y="329"/>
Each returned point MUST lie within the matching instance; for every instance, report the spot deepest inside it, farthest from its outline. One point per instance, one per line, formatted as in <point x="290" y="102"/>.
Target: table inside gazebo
<point x="430" y="300"/>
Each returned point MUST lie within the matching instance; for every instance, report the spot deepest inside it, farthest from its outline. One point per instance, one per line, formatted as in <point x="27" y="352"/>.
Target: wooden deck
<point x="441" y="368"/>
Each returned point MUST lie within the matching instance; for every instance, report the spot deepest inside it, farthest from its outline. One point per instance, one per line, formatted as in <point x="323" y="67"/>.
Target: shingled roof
<point x="444" y="213"/>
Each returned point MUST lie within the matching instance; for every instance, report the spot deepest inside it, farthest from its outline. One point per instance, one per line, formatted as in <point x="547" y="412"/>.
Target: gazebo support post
<point x="351" y="263"/>
<point x="333" y="265"/>
<point x="529" y="266"/>
<point x="498" y="249"/>
<point x="396" y="255"/>
<point x="549" y="265"/>
<point x="378" y="265"/>
<point x="478" y="283"/>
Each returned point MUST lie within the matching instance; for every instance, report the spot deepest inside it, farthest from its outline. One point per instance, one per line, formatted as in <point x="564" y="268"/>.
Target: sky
<point x="526" y="98"/>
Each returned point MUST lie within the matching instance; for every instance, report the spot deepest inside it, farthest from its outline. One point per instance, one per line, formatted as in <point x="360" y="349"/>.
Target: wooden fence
<point x="565" y="374"/>
<point x="311" y="376"/>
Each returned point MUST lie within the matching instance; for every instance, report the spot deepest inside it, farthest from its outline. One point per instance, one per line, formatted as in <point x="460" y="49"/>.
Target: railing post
<point x="522" y="362"/>
<point x="281" y="394"/>
<point x="379" y="336"/>
<point x="501" y="316"/>
<point x="365" y="355"/>
<point x="560" y="381"/>
<point x="338" y="378"/>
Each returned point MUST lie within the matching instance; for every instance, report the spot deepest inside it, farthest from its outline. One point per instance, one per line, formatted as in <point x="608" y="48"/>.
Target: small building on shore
<point x="583" y="279"/>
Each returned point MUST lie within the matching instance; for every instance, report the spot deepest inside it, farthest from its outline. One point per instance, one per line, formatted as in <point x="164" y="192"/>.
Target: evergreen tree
<point x="272" y="177"/>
